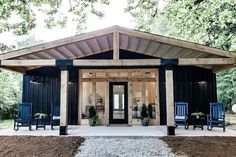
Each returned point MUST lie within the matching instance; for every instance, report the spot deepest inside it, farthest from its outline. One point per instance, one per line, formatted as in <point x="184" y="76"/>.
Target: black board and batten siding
<point x="41" y="87"/>
<point x="194" y="85"/>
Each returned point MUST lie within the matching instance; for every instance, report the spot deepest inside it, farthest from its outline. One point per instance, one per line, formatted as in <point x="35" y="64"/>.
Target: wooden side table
<point x="198" y="122"/>
<point x="40" y="123"/>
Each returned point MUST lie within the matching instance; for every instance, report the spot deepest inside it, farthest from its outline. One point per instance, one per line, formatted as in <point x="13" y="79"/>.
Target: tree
<point x="211" y="23"/>
<point x="10" y="93"/>
<point x="11" y="83"/>
<point x="20" y="16"/>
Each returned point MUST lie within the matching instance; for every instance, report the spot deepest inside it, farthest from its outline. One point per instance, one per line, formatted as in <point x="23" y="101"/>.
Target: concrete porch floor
<point x="153" y="131"/>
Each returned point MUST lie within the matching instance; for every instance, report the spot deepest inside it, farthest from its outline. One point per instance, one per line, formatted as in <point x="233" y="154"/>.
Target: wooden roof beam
<point x="116" y="45"/>
<point x="22" y="63"/>
<point x="207" y="61"/>
<point x="108" y="63"/>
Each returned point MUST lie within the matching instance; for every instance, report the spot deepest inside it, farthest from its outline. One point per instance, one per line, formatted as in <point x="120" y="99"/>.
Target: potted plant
<point x="198" y="114"/>
<point x="92" y="116"/>
<point x="40" y="115"/>
<point x="145" y="118"/>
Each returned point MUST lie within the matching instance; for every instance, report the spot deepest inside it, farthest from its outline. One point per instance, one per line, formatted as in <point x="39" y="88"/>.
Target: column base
<point x="63" y="130"/>
<point x="170" y="130"/>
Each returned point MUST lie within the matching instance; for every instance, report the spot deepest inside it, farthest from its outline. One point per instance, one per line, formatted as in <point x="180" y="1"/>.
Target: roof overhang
<point x="116" y="38"/>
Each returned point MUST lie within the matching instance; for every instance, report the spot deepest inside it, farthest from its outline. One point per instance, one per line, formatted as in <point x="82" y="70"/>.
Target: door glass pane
<point x="118" y="102"/>
<point x="123" y="101"/>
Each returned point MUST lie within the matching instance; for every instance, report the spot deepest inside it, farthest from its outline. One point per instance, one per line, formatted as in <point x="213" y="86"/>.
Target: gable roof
<point x="131" y="40"/>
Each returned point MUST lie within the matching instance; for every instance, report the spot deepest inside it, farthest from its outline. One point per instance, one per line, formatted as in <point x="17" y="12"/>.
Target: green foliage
<point x="144" y="12"/>
<point x="226" y="88"/>
<point x="6" y="123"/>
<point x="11" y="84"/>
<point x="20" y="16"/>
<point x="10" y="93"/>
<point x="211" y="23"/>
<point x="144" y="111"/>
<point x="92" y="112"/>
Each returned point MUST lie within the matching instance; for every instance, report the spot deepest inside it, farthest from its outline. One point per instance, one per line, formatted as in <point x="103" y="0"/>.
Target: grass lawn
<point x="230" y="118"/>
<point x="6" y="123"/>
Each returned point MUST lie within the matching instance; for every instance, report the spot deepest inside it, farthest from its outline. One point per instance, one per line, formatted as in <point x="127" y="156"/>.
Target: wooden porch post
<point x="64" y="102"/>
<point x="170" y="101"/>
<point x="157" y="99"/>
<point x="130" y="102"/>
<point x="116" y="45"/>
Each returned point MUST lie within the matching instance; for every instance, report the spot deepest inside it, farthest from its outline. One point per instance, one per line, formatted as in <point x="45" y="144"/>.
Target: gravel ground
<point x="123" y="147"/>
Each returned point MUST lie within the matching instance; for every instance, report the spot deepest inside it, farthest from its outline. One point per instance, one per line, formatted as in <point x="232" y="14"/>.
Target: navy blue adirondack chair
<point x="181" y="114"/>
<point x="24" y="117"/>
<point x="55" y="115"/>
<point x="216" y="118"/>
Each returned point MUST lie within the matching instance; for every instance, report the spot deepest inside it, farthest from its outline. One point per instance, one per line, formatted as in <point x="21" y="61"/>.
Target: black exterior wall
<point x="194" y="85"/>
<point x="41" y="87"/>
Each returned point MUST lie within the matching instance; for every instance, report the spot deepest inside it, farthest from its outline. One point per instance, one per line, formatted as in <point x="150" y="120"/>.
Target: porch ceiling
<point x="102" y="40"/>
<point x="115" y="38"/>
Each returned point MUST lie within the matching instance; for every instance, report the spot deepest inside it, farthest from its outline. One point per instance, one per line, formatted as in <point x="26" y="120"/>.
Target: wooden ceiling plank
<point x="173" y="55"/>
<point x="133" y="43"/>
<point x="163" y="52"/>
<point x="98" y="45"/>
<point x="127" y="44"/>
<point x="187" y="54"/>
<point x="107" y="42"/>
<point x="137" y="46"/>
<point x="40" y="56"/>
<point x="47" y="56"/>
<point x="156" y="50"/>
<point x="56" y="54"/>
<point x="33" y="56"/>
<point x="177" y="42"/>
<point x="65" y="56"/>
<point x="146" y="47"/>
<point x="86" y="45"/>
<point x="76" y="46"/>
<point x="60" y="42"/>
<point x="68" y="51"/>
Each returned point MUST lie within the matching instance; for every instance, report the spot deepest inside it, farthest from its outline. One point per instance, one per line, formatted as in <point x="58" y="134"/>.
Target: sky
<point x="114" y="15"/>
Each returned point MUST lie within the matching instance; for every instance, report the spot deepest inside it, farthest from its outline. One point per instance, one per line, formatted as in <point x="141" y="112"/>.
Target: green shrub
<point x="92" y="112"/>
<point x="144" y="112"/>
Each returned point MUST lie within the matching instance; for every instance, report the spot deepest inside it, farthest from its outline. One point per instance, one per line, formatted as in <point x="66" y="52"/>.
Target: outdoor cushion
<point x="56" y="117"/>
<point x="179" y="117"/>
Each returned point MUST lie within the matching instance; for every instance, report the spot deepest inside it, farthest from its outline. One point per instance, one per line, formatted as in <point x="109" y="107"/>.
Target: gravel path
<point x="123" y="147"/>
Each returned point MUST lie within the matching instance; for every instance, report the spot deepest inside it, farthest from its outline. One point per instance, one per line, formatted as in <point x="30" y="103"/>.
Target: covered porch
<point x="152" y="69"/>
<point x="119" y="131"/>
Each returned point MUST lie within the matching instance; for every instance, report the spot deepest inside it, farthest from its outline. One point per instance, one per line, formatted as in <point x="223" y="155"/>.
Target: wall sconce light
<point x="202" y="82"/>
<point x="37" y="81"/>
<point x="34" y="82"/>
